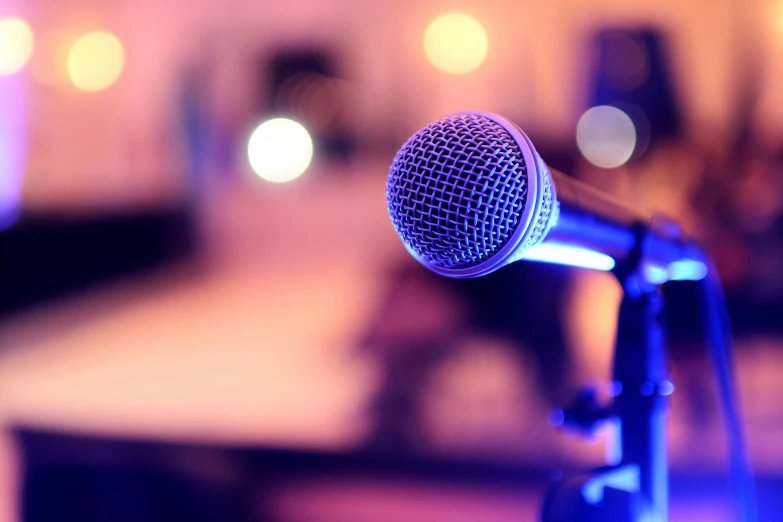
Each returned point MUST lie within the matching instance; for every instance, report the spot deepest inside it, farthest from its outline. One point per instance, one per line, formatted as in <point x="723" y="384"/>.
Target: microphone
<point x="469" y="194"/>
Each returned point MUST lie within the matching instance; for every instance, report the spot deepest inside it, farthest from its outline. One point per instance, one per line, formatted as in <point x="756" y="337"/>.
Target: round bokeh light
<point x="95" y="61"/>
<point x="280" y="150"/>
<point x="606" y="136"/>
<point x="455" y="43"/>
<point x="16" y="45"/>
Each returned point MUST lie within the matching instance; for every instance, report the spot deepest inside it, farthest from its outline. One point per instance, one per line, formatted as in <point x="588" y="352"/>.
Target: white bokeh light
<point x="16" y="45"/>
<point x="280" y="150"/>
<point x="606" y="136"/>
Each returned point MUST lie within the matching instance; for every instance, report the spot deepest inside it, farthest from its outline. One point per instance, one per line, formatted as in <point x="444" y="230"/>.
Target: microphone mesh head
<point x="457" y="190"/>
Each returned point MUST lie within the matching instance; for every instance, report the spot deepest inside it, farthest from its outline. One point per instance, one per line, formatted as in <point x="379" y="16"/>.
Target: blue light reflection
<point x="570" y="255"/>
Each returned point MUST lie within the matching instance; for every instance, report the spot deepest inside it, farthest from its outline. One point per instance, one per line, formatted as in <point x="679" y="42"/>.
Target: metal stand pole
<point x="635" y="490"/>
<point x="642" y="380"/>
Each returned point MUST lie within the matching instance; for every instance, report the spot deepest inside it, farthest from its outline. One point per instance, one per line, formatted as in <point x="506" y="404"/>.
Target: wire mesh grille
<point x="457" y="189"/>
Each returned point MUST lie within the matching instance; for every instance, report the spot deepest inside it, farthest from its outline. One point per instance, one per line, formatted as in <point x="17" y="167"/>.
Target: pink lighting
<point x="13" y="116"/>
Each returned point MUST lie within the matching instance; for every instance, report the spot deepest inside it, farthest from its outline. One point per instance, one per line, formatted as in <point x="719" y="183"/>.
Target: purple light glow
<point x="13" y="146"/>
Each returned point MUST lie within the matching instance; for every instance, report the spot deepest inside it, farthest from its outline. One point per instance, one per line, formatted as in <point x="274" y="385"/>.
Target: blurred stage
<point x="205" y="313"/>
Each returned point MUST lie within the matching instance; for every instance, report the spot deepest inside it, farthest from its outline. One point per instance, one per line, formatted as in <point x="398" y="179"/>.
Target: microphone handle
<point x="592" y="220"/>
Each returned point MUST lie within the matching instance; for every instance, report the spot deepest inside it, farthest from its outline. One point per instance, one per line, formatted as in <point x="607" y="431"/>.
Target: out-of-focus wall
<point x="768" y="18"/>
<point x="123" y="147"/>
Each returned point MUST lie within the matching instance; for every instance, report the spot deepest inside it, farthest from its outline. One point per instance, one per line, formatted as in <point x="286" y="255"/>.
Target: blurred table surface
<point x="250" y="342"/>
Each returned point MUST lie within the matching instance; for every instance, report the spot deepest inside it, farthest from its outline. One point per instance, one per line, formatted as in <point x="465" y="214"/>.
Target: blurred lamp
<point x="95" y="61"/>
<point x="455" y="43"/>
<point x="606" y="136"/>
<point x="280" y="150"/>
<point x="16" y="45"/>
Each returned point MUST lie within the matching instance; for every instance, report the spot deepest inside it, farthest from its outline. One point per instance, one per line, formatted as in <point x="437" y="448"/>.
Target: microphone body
<point x="594" y="221"/>
<point x="469" y="194"/>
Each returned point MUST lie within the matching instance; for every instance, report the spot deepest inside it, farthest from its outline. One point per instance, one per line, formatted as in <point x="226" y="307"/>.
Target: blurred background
<point x="206" y="315"/>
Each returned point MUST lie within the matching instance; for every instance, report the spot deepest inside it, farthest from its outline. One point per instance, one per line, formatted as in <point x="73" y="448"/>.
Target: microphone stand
<point x="636" y="489"/>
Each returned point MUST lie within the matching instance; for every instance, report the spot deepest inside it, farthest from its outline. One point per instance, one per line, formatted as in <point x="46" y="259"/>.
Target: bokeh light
<point x="456" y="43"/>
<point x="95" y="61"/>
<point x="606" y="136"/>
<point x="16" y="45"/>
<point x="280" y="150"/>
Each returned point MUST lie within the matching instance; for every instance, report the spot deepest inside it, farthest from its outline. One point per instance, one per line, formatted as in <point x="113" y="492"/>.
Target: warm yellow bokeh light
<point x="95" y="61"/>
<point x="456" y="43"/>
<point x="16" y="45"/>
